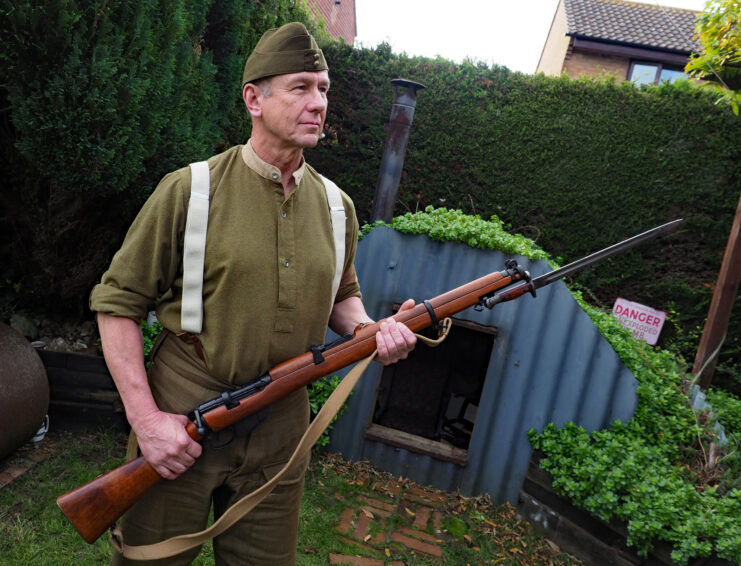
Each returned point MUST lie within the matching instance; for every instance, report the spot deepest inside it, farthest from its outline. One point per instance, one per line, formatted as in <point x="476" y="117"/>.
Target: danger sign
<point x="643" y="321"/>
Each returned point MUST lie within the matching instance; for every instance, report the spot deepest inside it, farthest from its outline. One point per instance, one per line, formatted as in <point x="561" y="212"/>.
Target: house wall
<point x="338" y="16"/>
<point x="556" y="45"/>
<point x="594" y="64"/>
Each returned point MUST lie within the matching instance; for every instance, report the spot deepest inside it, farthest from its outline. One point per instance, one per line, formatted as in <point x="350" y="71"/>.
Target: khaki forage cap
<point x="287" y="49"/>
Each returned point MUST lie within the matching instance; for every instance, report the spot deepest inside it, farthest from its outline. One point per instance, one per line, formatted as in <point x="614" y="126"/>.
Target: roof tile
<point x="634" y="23"/>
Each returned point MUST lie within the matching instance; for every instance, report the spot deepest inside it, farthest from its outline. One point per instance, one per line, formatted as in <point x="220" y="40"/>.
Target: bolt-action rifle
<point x="95" y="506"/>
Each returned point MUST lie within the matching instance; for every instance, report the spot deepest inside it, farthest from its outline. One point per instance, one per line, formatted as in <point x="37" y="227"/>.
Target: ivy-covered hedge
<point x="574" y="164"/>
<point x="663" y="472"/>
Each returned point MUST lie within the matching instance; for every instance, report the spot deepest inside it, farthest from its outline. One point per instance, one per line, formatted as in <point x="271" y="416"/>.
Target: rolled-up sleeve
<point x="150" y="257"/>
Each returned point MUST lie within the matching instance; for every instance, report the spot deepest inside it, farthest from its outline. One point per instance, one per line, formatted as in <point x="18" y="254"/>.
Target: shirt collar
<point x="265" y="169"/>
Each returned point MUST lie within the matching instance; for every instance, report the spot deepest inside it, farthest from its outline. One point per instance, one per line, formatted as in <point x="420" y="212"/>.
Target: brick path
<point x="22" y="460"/>
<point x="393" y="518"/>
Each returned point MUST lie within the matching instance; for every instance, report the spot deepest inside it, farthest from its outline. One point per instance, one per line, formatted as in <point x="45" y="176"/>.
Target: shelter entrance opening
<point x="428" y="402"/>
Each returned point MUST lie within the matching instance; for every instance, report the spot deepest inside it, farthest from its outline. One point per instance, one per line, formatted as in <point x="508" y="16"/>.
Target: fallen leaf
<point x="388" y="553"/>
<point x="367" y="538"/>
<point x="368" y="513"/>
<point x="468" y="538"/>
<point x="410" y="512"/>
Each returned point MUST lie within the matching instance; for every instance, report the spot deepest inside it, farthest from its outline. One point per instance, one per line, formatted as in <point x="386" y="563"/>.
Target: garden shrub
<point x="99" y="102"/>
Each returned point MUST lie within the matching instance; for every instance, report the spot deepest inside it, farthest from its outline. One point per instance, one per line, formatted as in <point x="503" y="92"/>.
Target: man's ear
<point x="252" y="97"/>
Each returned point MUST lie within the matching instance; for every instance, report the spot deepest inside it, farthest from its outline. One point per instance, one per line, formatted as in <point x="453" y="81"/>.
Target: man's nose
<point x="318" y="100"/>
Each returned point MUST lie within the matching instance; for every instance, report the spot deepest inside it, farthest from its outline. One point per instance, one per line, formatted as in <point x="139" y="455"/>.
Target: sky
<point x="502" y="32"/>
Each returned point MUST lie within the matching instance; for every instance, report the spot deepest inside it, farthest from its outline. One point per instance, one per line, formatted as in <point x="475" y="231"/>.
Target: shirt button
<point x="275" y="175"/>
<point x="284" y="214"/>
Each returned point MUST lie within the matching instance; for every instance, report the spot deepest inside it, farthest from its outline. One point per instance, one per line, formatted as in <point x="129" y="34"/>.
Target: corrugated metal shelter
<point x="548" y="363"/>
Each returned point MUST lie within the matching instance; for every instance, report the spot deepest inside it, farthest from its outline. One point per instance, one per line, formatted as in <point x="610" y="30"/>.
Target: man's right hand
<point x="165" y="443"/>
<point x="162" y="437"/>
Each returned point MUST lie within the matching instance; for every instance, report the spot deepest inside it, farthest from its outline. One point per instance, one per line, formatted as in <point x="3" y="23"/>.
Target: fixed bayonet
<point x="532" y="285"/>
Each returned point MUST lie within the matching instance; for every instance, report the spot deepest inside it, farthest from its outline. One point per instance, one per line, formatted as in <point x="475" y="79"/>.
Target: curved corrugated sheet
<point x="549" y="364"/>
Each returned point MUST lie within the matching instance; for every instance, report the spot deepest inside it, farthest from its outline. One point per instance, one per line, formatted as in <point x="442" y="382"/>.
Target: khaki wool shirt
<point x="268" y="269"/>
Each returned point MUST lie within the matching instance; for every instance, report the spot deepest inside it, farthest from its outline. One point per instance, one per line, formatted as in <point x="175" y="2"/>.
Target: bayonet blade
<point x="601" y="255"/>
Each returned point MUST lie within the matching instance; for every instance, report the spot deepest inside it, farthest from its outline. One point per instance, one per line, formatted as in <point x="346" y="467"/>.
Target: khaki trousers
<point x="267" y="535"/>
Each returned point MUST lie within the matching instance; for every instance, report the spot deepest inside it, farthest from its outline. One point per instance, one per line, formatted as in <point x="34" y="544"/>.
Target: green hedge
<point x="574" y="164"/>
<point x="99" y="102"/>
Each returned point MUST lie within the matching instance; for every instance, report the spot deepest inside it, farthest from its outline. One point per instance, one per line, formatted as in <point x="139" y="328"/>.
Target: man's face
<point x="293" y="115"/>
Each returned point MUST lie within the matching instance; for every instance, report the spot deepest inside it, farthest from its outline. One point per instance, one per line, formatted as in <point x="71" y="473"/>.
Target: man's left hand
<point x="394" y="340"/>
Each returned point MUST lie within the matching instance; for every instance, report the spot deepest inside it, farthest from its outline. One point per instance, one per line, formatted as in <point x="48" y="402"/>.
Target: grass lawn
<point x="466" y="530"/>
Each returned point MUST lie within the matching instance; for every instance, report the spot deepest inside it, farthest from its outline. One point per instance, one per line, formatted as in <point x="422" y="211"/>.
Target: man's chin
<point x="309" y="140"/>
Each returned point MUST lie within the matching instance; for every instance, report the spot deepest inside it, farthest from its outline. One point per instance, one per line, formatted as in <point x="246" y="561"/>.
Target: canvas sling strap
<point x="178" y="544"/>
<point x="194" y="244"/>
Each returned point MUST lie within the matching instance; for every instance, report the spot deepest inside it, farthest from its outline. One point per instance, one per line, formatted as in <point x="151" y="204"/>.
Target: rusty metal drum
<point x="24" y="391"/>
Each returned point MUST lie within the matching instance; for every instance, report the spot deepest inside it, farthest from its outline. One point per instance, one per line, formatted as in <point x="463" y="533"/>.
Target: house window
<point x="428" y="402"/>
<point x="643" y="73"/>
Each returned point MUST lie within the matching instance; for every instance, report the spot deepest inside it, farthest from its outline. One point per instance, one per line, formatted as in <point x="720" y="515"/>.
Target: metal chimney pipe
<point x="402" y="113"/>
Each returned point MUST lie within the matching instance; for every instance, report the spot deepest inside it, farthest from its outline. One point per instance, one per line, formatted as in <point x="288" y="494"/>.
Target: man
<point x="269" y="266"/>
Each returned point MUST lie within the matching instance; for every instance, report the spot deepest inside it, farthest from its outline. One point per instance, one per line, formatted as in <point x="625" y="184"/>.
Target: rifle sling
<point x="178" y="544"/>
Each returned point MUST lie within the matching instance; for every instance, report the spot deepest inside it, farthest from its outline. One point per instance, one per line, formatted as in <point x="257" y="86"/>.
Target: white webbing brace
<point x="194" y="244"/>
<point x="337" y="215"/>
<point x="194" y="248"/>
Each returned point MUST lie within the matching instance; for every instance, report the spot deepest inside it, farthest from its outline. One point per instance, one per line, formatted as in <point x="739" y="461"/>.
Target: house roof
<point x="632" y="23"/>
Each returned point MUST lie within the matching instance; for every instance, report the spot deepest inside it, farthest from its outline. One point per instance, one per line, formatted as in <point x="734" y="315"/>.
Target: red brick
<point x="5" y="479"/>
<point x="390" y="488"/>
<point x="419" y="534"/>
<point x="362" y="526"/>
<point x="420" y="495"/>
<point x="376" y="511"/>
<point x="346" y="518"/>
<point x="379" y="539"/>
<point x="353" y="543"/>
<point x="17" y="471"/>
<point x="38" y="455"/>
<point x="354" y="560"/>
<point x="437" y="520"/>
<point x="423" y="515"/>
<point x="378" y="503"/>
<point x="339" y="17"/>
<point x="417" y="545"/>
<point x="377" y="507"/>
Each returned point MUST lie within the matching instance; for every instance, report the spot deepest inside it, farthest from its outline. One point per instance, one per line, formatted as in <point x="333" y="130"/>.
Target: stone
<point x="25" y="325"/>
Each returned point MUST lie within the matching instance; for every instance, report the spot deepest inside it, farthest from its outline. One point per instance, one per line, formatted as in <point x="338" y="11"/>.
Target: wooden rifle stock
<point x="95" y="506"/>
